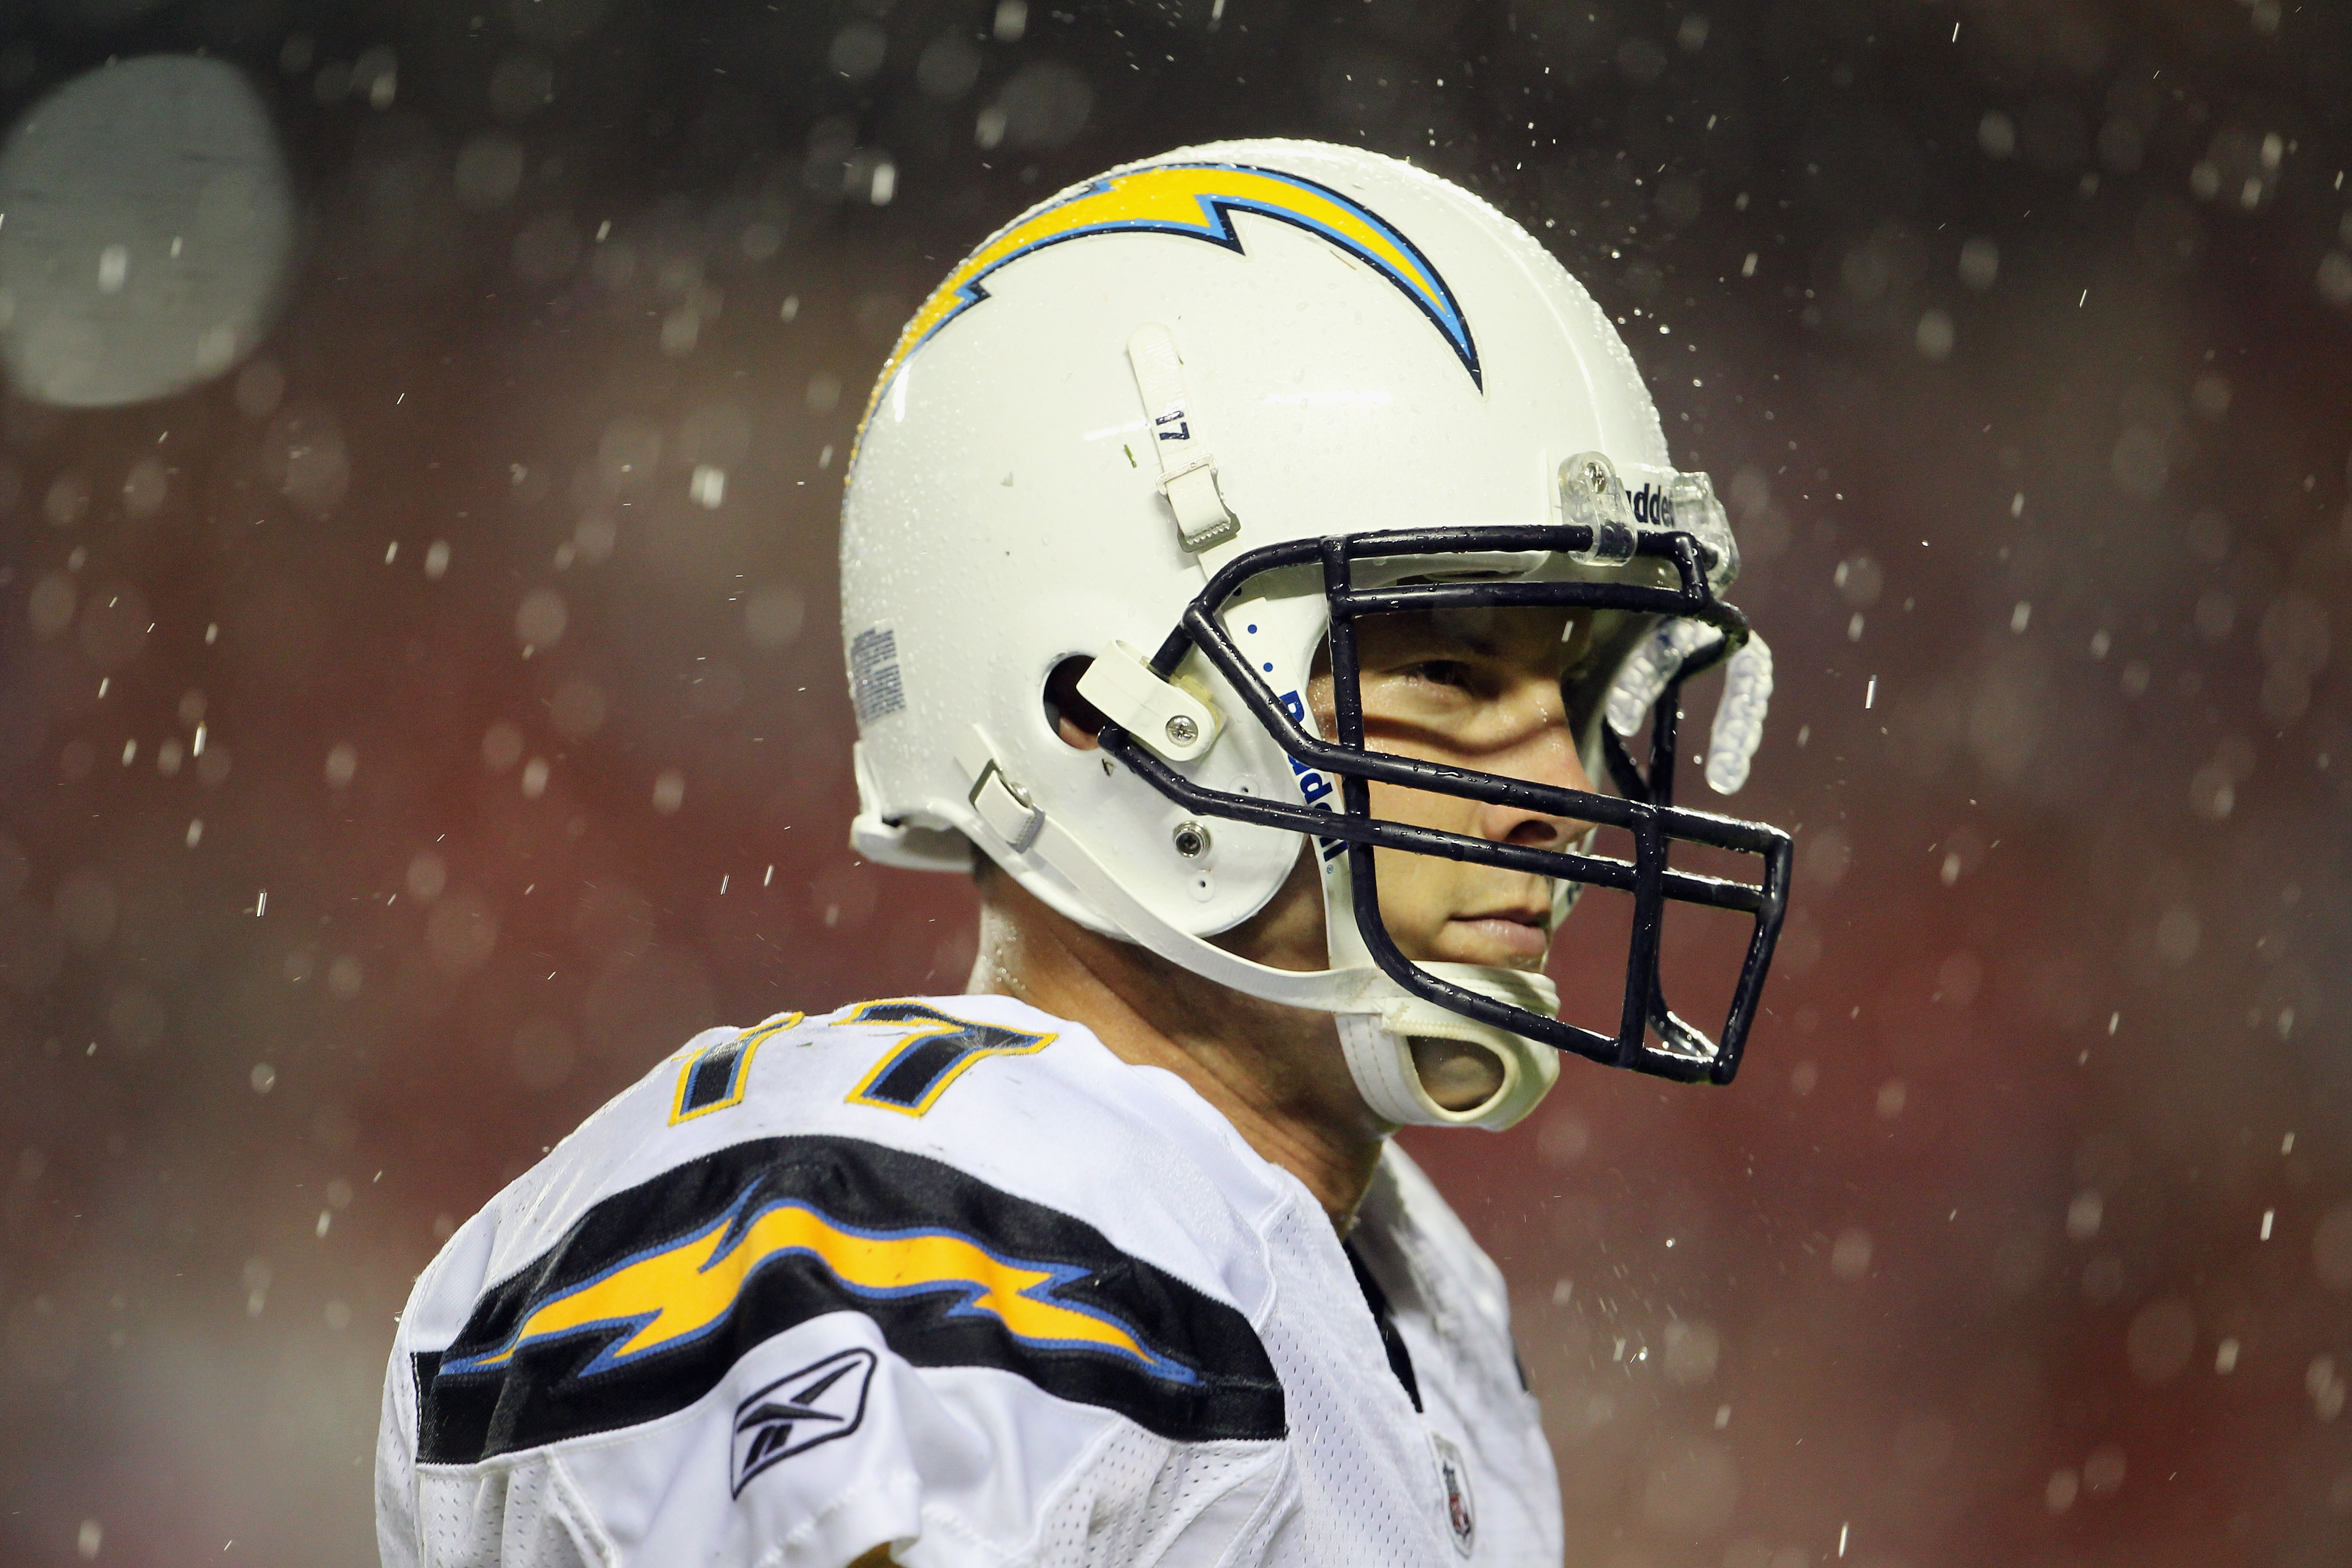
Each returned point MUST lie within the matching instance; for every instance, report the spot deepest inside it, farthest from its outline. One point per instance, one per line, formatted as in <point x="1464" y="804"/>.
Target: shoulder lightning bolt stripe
<point x="667" y="1295"/>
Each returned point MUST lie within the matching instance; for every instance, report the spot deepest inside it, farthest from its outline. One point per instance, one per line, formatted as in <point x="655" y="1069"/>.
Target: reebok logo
<point x="822" y="1401"/>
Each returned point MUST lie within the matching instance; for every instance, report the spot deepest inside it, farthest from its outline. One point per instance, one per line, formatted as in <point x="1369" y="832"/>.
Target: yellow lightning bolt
<point x="1187" y="199"/>
<point x="676" y="1293"/>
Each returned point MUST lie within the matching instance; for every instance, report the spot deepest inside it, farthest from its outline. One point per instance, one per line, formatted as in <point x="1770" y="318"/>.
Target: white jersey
<point x="947" y="1276"/>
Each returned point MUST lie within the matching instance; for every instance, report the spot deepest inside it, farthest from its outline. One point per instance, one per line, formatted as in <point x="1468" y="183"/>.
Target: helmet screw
<point x="1192" y="839"/>
<point x="1182" y="731"/>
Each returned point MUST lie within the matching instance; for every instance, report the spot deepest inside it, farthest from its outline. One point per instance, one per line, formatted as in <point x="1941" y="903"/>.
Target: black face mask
<point x="1648" y="1037"/>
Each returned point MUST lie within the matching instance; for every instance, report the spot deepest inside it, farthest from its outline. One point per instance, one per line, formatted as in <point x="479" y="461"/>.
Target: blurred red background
<point x="499" y="585"/>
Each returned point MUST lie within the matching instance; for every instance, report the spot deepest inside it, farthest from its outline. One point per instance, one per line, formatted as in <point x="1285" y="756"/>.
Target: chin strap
<point x="1378" y="1018"/>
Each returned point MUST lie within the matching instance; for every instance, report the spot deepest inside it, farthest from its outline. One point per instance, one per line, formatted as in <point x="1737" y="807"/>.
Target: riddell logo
<point x="1653" y="508"/>
<point x="823" y="1400"/>
<point x="1313" y="786"/>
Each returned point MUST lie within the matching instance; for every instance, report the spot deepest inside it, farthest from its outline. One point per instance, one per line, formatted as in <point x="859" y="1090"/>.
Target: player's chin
<point x="1493" y="942"/>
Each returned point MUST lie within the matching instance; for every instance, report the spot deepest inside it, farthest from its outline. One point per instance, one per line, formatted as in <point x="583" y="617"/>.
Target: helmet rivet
<point x="1182" y="731"/>
<point x="1191" y="840"/>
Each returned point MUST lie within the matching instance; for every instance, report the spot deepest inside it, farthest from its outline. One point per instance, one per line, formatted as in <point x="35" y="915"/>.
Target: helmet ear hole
<point x="1077" y="721"/>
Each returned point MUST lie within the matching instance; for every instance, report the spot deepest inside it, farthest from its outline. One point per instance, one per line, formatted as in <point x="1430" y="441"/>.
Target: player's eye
<point x="1441" y="672"/>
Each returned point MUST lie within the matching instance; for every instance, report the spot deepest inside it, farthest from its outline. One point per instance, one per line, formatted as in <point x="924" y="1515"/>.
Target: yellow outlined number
<point x="914" y="1073"/>
<point x="715" y="1077"/>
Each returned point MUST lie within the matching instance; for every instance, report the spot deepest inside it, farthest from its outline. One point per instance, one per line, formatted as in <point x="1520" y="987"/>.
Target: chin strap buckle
<point x="1004" y="806"/>
<point x="1188" y="474"/>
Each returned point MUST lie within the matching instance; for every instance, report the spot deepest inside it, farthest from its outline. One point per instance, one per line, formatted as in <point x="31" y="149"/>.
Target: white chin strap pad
<point x="1377" y="1040"/>
<point x="1379" y="1049"/>
<point x="1378" y="1018"/>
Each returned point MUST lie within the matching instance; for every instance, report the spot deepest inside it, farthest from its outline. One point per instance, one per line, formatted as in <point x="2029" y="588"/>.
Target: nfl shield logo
<point x="1454" y="1476"/>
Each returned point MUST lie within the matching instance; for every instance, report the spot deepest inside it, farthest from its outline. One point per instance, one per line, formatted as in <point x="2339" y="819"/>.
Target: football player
<point x="1250" y="558"/>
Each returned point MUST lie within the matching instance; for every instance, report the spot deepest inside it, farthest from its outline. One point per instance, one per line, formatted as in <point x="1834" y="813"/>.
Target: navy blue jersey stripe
<point x="644" y="1305"/>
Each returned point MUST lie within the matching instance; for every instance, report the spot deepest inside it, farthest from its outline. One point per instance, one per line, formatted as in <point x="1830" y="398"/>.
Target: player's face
<point x="1479" y="690"/>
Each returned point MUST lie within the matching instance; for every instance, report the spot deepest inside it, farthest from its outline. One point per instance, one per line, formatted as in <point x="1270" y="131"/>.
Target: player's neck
<point x="1275" y="1072"/>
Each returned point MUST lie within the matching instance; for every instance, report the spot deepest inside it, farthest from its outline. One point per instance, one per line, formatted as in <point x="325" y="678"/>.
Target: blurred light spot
<point x="1803" y="1078"/>
<point x="773" y="616"/>
<point x="948" y="67"/>
<point x="144" y="486"/>
<point x="1563" y="1139"/>
<point x="2225" y="1358"/>
<point x="66" y="500"/>
<point x="52" y="604"/>
<point x="2103" y="1471"/>
<point x="165" y="172"/>
<point x="1850" y="1253"/>
<point x="2177" y="933"/>
<point x="375" y="76"/>
<point x="2059" y="1493"/>
<point x="534" y="778"/>
<point x="1043" y="108"/>
<point x="1936" y="335"/>
<point x="461" y="933"/>
<point x="1012" y="20"/>
<point x="1823" y="858"/>
<point x="1641" y="61"/>
<point x="1893" y="1094"/>
<point x="857" y="51"/>
<point x="594" y="535"/>
<point x="2324" y="1386"/>
<point x="1692" y="34"/>
<point x="2331" y="1247"/>
<point x="2085" y="1214"/>
<point x="2162" y="1337"/>
<point x="488" y="170"/>
<point x="541" y="619"/>
<point x="428" y="875"/>
<point x="88" y="1540"/>
<point x="669" y="791"/>
<point x="2336" y="278"/>
<point x="263" y="1078"/>
<point x="1692" y="1352"/>
<point x="1997" y="134"/>
<point x="1979" y="263"/>
<point x="342" y="764"/>
<point x="344" y="977"/>
<point x="708" y="486"/>
<point x="501" y="747"/>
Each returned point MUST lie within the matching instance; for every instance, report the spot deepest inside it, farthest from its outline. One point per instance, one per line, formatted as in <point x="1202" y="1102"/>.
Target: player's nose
<point x="1547" y="754"/>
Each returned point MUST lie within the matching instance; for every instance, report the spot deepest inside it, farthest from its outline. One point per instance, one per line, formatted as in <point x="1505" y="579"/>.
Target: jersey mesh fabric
<point x="1368" y="1493"/>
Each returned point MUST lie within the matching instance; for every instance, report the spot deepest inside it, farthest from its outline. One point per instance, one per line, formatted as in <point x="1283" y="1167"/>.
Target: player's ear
<point x="1072" y="717"/>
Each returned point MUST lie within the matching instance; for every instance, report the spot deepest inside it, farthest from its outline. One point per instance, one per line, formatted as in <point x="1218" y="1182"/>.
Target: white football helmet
<point x="1187" y="421"/>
